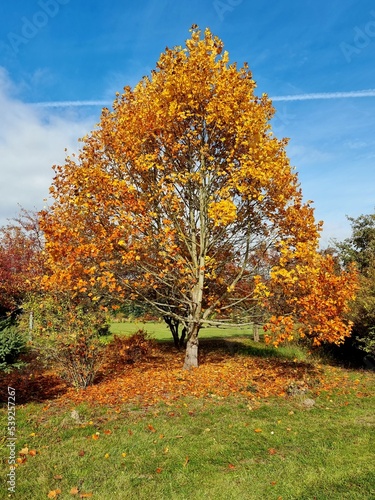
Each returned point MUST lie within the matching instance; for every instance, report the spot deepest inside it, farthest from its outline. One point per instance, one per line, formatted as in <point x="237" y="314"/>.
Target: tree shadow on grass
<point x="33" y="383"/>
<point x="219" y="348"/>
<point x="232" y="347"/>
<point x="267" y="358"/>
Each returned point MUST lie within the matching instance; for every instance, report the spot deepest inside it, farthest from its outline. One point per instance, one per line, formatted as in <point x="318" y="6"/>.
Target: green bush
<point x="367" y="342"/>
<point x="12" y="345"/>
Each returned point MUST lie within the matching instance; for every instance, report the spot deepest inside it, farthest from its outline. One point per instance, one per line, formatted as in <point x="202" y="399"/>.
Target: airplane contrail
<point x="70" y="104"/>
<point x="325" y="95"/>
<point x="295" y="97"/>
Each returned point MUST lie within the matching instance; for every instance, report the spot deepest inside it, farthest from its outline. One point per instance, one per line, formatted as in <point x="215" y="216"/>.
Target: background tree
<point x="359" y="249"/>
<point x="21" y="259"/>
<point x="178" y="196"/>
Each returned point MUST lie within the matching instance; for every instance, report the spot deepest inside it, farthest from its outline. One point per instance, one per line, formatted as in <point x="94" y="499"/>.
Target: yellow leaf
<point x="54" y="493"/>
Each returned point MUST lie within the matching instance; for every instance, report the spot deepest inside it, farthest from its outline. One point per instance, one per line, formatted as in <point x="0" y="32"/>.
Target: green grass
<point x="160" y="331"/>
<point x="200" y="449"/>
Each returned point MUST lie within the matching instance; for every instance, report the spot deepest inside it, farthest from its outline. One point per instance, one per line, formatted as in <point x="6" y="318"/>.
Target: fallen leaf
<point x="74" y="491"/>
<point x="81" y="453"/>
<point x="258" y="430"/>
<point x="58" y="477"/>
<point x="151" y="428"/>
<point x="32" y="453"/>
<point x="231" y="466"/>
<point x="95" y="436"/>
<point x="108" y="432"/>
<point x="186" y="461"/>
<point x="54" y="493"/>
<point x="159" y="470"/>
<point x="24" y="451"/>
<point x="106" y="455"/>
<point x="86" y="495"/>
<point x="272" y="451"/>
<point x="123" y="455"/>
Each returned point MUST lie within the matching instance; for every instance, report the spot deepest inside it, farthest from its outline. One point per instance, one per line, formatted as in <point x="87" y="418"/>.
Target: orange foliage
<point x="311" y="296"/>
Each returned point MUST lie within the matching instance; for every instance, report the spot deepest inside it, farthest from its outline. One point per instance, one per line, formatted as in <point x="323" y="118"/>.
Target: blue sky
<point x="315" y="58"/>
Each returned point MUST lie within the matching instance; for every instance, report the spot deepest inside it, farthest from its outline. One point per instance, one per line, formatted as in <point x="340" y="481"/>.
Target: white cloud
<point x="32" y="140"/>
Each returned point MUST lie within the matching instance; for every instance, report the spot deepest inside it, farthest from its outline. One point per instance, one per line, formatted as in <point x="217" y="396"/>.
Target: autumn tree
<point x="180" y="195"/>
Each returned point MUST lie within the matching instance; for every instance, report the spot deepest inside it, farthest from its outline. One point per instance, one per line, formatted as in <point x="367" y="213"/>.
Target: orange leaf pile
<point x="160" y="378"/>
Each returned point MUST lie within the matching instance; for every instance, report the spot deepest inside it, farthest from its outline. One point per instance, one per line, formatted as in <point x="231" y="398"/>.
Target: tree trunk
<point x="173" y="325"/>
<point x="191" y="356"/>
<point x="256" y="332"/>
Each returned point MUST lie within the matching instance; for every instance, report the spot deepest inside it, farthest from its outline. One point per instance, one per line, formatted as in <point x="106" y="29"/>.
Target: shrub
<point x="76" y="359"/>
<point x="66" y="335"/>
<point x="12" y="345"/>
<point x="128" y="350"/>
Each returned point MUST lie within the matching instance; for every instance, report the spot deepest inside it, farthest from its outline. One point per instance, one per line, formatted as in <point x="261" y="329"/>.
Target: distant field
<point x="160" y="331"/>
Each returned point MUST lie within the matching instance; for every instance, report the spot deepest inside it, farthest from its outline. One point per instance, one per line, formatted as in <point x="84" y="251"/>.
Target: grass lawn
<point x="250" y="423"/>
<point x="160" y="330"/>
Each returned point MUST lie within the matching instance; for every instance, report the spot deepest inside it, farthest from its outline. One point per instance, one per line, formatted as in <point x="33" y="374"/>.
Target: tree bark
<point x="191" y="356"/>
